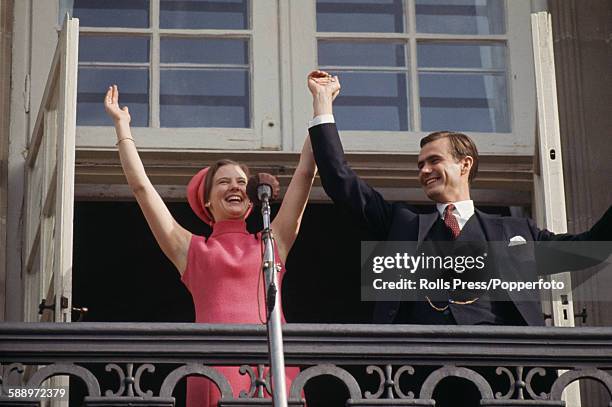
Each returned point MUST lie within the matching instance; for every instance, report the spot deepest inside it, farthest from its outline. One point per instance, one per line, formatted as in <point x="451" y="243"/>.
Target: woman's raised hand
<point x="111" y="105"/>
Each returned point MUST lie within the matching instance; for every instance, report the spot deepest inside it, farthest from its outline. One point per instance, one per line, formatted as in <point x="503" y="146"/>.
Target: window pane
<point x="372" y="101"/>
<point x="113" y="49"/>
<point x="216" y="14"/>
<point x="360" y="16"/>
<point x="460" y="16"/>
<point x="133" y="86"/>
<point x="355" y="53"/>
<point x="441" y="55"/>
<point x="112" y="13"/>
<point x="468" y="102"/>
<point x="205" y="98"/>
<point x="204" y="51"/>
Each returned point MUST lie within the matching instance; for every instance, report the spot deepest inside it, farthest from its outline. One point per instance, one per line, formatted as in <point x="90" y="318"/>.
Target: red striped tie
<point x="450" y="221"/>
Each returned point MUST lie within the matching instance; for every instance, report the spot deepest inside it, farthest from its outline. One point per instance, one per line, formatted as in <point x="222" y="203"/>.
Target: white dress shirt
<point x="320" y="119"/>
<point x="463" y="211"/>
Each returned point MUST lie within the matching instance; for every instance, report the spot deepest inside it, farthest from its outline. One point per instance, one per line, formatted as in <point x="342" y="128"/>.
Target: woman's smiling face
<point x="228" y="198"/>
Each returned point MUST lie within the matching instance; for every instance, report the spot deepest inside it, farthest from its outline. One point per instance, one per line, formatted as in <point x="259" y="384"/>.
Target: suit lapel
<point x="494" y="232"/>
<point x="426" y="221"/>
<point x="492" y="226"/>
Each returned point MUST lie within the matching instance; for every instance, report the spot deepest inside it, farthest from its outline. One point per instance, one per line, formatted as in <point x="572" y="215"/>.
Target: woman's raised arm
<point x="171" y="237"/>
<point x="286" y="224"/>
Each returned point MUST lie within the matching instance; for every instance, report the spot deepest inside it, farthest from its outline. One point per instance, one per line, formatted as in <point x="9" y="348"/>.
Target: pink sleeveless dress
<point x="223" y="276"/>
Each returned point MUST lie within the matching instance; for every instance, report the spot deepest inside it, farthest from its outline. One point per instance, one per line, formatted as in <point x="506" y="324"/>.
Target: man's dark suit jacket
<point x="395" y="222"/>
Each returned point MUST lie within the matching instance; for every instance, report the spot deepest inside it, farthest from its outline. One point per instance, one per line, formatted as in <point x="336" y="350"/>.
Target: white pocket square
<point x="517" y="240"/>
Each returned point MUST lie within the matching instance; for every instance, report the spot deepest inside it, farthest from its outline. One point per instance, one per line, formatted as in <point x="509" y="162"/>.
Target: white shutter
<point x="50" y="187"/>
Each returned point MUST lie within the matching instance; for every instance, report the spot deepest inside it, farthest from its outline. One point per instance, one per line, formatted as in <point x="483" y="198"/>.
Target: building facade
<point x="205" y="80"/>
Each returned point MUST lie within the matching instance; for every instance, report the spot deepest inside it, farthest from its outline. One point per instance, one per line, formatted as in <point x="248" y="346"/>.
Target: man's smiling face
<point x="443" y="178"/>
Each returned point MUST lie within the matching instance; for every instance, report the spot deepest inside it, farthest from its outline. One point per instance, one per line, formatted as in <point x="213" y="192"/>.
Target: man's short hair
<point x="460" y="146"/>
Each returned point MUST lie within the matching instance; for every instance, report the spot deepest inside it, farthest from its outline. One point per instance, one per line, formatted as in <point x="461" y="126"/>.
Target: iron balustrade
<point x="388" y="355"/>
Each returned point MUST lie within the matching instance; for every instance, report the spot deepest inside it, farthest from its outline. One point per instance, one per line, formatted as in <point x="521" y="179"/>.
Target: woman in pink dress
<point x="223" y="271"/>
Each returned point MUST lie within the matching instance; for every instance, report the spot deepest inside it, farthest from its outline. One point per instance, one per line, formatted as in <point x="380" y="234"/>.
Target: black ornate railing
<point x="375" y="364"/>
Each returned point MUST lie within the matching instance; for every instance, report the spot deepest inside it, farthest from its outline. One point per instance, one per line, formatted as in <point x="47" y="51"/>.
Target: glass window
<point x="476" y="102"/>
<point x="210" y="14"/>
<point x="406" y="66"/>
<point x="352" y="53"/>
<point x="112" y="13"/>
<point x="462" y="55"/>
<point x="107" y="60"/>
<point x="373" y="101"/>
<point x="460" y="16"/>
<point x="204" y="83"/>
<point x="205" y="51"/>
<point x="360" y="16"/>
<point x="133" y="85"/>
<point x="463" y="83"/>
<point x="113" y="48"/>
<point x="451" y="83"/>
<point x="191" y="79"/>
<point x="204" y="98"/>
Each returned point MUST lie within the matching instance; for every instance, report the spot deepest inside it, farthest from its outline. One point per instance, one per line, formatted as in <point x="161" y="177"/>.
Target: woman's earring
<point x="207" y="204"/>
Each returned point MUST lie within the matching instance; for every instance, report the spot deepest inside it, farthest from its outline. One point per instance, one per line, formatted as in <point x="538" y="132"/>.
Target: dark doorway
<point x="120" y="273"/>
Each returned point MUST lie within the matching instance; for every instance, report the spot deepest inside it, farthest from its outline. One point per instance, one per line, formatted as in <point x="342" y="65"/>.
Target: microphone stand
<point x="273" y="320"/>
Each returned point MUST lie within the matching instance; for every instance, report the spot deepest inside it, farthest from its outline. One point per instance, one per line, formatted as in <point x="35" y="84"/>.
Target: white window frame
<point x="265" y="130"/>
<point x="520" y="81"/>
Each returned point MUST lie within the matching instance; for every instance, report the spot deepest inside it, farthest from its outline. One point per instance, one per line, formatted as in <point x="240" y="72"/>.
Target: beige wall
<point x="583" y="29"/>
<point x="6" y="36"/>
<point x="583" y="59"/>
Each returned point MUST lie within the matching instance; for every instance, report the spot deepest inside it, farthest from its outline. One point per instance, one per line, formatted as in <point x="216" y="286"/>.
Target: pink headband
<point x="196" y="198"/>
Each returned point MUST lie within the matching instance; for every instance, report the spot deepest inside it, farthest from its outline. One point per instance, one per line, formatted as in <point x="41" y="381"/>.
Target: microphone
<point x="258" y="191"/>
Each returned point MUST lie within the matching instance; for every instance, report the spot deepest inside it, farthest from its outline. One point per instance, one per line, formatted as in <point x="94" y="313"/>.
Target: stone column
<point x="583" y="59"/>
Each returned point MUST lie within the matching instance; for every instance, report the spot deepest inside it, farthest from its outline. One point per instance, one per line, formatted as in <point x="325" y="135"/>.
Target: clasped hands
<point x="322" y="83"/>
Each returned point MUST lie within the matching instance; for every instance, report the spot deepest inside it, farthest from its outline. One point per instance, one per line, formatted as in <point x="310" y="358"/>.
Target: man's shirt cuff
<point x="320" y="119"/>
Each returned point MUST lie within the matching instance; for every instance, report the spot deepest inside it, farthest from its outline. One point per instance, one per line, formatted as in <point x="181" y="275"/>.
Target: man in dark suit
<point x="447" y="163"/>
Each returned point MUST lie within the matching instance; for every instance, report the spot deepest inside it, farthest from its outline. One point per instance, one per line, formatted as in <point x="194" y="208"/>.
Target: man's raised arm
<point x="340" y="182"/>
